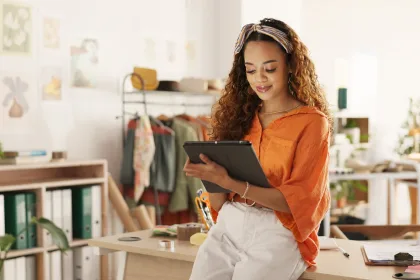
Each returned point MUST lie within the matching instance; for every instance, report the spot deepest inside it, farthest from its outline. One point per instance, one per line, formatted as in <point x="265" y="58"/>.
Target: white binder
<point x="47" y="215"/>
<point x="47" y="264"/>
<point x="55" y="265"/>
<point x="67" y="265"/>
<point x="83" y="264"/>
<point x="20" y="268"/>
<point x="67" y="213"/>
<point x="9" y="270"/>
<point x="57" y="211"/>
<point x="31" y="268"/>
<point x="96" y="212"/>
<point x="96" y="273"/>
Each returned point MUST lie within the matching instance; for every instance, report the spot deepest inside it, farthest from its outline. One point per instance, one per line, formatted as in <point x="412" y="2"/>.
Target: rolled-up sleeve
<point x="306" y="190"/>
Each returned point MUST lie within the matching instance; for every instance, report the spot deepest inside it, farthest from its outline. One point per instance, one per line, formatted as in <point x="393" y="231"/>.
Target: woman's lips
<point x="263" y="89"/>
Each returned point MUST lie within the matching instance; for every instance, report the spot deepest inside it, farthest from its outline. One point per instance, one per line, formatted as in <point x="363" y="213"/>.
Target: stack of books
<point x="25" y="157"/>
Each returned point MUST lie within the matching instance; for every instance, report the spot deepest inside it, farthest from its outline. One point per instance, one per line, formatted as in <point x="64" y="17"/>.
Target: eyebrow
<point x="268" y="61"/>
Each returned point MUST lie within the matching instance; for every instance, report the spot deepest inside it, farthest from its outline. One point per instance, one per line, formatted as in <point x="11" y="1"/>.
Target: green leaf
<point x="58" y="236"/>
<point x="6" y="242"/>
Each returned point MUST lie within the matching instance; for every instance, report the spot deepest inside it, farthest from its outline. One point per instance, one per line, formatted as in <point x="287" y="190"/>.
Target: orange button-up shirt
<point x="293" y="152"/>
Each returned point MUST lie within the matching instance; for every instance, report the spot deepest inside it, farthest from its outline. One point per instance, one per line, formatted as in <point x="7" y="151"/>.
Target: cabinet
<point x="43" y="177"/>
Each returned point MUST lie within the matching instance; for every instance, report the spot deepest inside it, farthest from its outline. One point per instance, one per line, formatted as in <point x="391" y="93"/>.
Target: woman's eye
<point x="250" y="71"/>
<point x="271" y="70"/>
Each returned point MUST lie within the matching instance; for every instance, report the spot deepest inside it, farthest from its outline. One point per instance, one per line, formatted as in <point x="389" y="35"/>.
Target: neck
<point x="280" y="103"/>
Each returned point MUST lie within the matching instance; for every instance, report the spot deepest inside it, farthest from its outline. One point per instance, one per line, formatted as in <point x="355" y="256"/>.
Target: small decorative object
<point x="58" y="156"/>
<point x="342" y="98"/>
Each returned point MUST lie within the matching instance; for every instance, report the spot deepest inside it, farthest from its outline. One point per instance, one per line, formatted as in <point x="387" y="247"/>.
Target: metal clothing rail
<point x="145" y="103"/>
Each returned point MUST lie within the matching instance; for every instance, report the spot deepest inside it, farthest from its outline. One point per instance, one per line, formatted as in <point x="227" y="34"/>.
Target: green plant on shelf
<point x="346" y="189"/>
<point x="1" y="151"/>
<point x="58" y="236"/>
<point x="351" y="124"/>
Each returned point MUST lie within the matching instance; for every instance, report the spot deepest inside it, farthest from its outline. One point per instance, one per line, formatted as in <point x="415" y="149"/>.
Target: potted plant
<point x="58" y="236"/>
<point x="1" y="151"/>
<point x="352" y="131"/>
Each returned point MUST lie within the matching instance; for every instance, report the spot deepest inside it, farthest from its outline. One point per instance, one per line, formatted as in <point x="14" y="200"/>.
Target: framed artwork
<point x="84" y="63"/>
<point x="16" y="29"/>
<point x="51" y="33"/>
<point x="18" y="102"/>
<point x="50" y="81"/>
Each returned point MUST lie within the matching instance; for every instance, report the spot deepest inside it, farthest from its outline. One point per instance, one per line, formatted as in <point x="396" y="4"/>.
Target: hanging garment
<point x="185" y="187"/>
<point x="127" y="170"/>
<point x="144" y="151"/>
<point x="194" y="123"/>
<point x="163" y="167"/>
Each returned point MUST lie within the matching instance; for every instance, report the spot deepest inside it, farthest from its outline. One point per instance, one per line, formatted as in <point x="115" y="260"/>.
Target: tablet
<point x="238" y="157"/>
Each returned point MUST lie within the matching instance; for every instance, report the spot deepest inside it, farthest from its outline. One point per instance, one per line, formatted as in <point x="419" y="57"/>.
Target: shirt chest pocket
<point x="279" y="159"/>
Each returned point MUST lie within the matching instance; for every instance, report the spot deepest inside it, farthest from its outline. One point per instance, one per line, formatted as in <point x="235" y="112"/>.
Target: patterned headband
<point x="274" y="33"/>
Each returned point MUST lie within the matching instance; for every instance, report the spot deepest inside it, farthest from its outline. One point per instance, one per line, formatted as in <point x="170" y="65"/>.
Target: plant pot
<point x="341" y="202"/>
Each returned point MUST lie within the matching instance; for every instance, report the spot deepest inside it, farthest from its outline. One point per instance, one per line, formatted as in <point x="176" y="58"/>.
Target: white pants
<point x="248" y="243"/>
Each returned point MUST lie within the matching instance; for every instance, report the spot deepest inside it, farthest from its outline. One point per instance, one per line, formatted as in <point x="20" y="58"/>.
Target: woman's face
<point x="266" y="69"/>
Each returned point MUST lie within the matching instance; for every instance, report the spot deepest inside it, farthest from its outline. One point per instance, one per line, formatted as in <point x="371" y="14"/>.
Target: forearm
<point x="217" y="200"/>
<point x="270" y="198"/>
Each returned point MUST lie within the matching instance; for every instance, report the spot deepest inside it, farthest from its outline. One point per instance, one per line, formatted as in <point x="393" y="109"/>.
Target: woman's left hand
<point x="208" y="171"/>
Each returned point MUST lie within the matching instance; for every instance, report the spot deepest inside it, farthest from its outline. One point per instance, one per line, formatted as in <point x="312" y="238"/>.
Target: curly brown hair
<point x="235" y="110"/>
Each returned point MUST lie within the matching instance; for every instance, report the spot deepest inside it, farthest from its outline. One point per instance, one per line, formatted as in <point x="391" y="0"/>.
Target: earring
<point x="289" y="82"/>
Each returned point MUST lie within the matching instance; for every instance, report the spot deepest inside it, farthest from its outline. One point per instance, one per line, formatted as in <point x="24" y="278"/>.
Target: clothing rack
<point x="145" y="103"/>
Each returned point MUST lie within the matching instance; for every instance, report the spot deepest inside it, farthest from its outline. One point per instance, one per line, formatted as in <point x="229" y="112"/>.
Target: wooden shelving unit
<point x="41" y="177"/>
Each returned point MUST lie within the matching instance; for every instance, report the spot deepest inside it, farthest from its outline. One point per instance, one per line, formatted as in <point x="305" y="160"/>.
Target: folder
<point x="15" y="218"/>
<point x="20" y="268"/>
<point x="67" y="213"/>
<point x="67" y="265"/>
<point x="83" y="266"/>
<point x="9" y="270"/>
<point x="82" y="212"/>
<point x="56" y="210"/>
<point x="96" y="212"/>
<point x="30" y="268"/>
<point x="55" y="265"/>
<point x="388" y="254"/>
<point x="47" y="211"/>
<point x="30" y="200"/>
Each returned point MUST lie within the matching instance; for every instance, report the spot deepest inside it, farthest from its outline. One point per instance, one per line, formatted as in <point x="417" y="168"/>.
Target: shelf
<point x="24" y="252"/>
<point x="72" y="244"/>
<point x="57" y="164"/>
<point x="52" y="183"/>
<point x="164" y="93"/>
<point x="368" y="176"/>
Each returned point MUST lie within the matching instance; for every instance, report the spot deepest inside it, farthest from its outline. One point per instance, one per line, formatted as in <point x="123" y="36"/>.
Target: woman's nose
<point x="260" y="77"/>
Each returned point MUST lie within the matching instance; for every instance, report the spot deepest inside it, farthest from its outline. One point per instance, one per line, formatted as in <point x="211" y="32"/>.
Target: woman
<point x="272" y="99"/>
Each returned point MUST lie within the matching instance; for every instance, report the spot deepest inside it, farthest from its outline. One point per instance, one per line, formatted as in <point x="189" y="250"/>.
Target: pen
<point x="344" y="252"/>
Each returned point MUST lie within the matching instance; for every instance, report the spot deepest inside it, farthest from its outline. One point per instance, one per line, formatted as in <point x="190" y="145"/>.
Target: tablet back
<point x="238" y="157"/>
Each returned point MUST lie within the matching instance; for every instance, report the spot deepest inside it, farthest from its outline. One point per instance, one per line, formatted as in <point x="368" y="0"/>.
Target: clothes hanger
<point x="161" y="125"/>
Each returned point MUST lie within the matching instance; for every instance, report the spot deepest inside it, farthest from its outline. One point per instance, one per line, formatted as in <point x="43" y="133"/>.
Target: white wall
<point x="387" y="31"/>
<point x="84" y="122"/>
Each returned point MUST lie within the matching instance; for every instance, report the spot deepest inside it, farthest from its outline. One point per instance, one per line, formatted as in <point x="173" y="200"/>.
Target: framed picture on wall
<point x="15" y="29"/>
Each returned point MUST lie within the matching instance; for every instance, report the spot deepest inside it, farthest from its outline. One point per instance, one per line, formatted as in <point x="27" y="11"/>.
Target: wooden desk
<point x="146" y="260"/>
